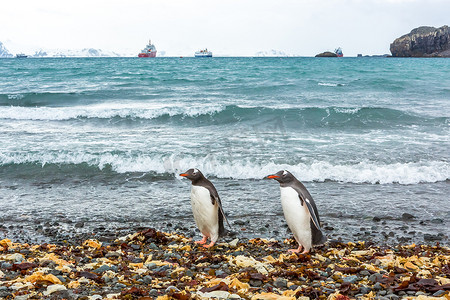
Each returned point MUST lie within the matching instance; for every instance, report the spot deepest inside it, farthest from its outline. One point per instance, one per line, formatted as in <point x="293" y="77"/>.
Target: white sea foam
<point x="330" y="84"/>
<point x="363" y="172"/>
<point x="103" y="112"/>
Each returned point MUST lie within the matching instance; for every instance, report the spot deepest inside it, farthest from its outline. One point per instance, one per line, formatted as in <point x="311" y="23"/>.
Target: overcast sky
<point x="228" y="27"/>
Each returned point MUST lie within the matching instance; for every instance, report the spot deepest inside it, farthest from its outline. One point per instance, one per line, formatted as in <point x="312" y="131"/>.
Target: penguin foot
<point x="297" y="250"/>
<point x="209" y="245"/>
<point x="203" y="241"/>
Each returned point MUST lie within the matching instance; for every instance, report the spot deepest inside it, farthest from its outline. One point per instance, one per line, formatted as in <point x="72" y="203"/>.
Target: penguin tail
<point x="222" y="230"/>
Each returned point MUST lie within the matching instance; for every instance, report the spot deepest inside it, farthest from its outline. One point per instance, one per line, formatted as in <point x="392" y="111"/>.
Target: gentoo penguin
<point x="206" y="207"/>
<point x="300" y="212"/>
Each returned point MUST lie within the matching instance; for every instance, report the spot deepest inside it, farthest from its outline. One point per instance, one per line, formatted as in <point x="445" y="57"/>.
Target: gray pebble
<point x="439" y="293"/>
<point x="364" y="273"/>
<point x="280" y="283"/>
<point x="153" y="246"/>
<point x="351" y="279"/>
<point x="150" y="266"/>
<point x="364" y="289"/>
<point x="101" y="269"/>
<point x="375" y="277"/>
<point x="112" y="254"/>
<point x="255" y="283"/>
<point x="147" y="279"/>
<point x="377" y="286"/>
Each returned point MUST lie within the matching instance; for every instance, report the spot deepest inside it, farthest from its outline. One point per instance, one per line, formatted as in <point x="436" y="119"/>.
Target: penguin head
<point x="282" y="176"/>
<point x="192" y="174"/>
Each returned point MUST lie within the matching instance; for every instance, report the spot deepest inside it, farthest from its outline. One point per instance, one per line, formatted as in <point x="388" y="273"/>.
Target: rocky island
<point x="326" y="54"/>
<point x="423" y="42"/>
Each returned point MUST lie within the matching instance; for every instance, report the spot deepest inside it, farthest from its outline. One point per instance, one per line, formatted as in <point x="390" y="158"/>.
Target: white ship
<point x="203" y="53"/>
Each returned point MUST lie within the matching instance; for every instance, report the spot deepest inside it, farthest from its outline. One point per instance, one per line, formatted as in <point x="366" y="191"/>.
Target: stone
<point x="351" y="279"/>
<point x="153" y="246"/>
<point x="280" y="283"/>
<point x="54" y="288"/>
<point x="112" y="254"/>
<point x="432" y="237"/>
<point x="392" y="297"/>
<point x="437" y="221"/>
<point x="233" y="243"/>
<point x="364" y="273"/>
<point x="439" y="293"/>
<point x="79" y="225"/>
<point x="326" y="54"/>
<point x="377" y="286"/>
<point x="147" y="279"/>
<point x="364" y="289"/>
<point x="375" y="277"/>
<point x="151" y="266"/>
<point x="101" y="269"/>
<point x="407" y="217"/>
<point x="423" y="42"/>
<point x="214" y="295"/>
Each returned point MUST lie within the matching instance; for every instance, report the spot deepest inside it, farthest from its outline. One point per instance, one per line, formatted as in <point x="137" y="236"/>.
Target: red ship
<point x="148" y="51"/>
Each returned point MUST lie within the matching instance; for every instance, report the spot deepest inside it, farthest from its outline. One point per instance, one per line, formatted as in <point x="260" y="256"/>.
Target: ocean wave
<point x="362" y="172"/>
<point x="330" y="84"/>
<point x="216" y="114"/>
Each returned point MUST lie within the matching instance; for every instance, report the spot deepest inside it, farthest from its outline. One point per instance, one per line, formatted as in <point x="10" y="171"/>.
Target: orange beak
<point x="273" y="176"/>
<point x="183" y="174"/>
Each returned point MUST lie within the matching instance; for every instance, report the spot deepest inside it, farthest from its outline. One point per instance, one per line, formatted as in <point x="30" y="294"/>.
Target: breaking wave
<point x="215" y="114"/>
<point x="82" y="164"/>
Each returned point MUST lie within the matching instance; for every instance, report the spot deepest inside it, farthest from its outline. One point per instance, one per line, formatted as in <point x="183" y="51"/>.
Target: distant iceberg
<point x="272" y="53"/>
<point x="4" y="53"/>
<point x="86" y="52"/>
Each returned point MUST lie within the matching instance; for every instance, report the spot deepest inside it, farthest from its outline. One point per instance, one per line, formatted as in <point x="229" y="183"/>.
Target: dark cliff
<point x="423" y="42"/>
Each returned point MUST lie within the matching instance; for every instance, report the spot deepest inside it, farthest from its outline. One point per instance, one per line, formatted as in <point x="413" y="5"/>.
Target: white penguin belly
<point x="205" y="213"/>
<point x="297" y="216"/>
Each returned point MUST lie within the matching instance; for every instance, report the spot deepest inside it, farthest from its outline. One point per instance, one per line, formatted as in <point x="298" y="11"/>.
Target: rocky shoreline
<point x="151" y="264"/>
<point x="423" y="41"/>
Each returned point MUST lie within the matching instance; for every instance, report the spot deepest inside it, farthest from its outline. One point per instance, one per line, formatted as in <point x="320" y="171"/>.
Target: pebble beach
<point x="151" y="264"/>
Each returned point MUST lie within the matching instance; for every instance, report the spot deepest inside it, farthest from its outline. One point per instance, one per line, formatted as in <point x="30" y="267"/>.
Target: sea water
<point x="95" y="145"/>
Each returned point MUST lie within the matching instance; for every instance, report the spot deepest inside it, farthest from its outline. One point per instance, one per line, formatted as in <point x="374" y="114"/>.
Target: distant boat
<point x="203" y="53"/>
<point x="338" y="52"/>
<point x="148" y="51"/>
<point x="21" y="55"/>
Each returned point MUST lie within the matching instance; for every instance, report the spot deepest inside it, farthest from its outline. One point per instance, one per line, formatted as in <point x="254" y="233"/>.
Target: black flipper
<point x="312" y="214"/>
<point x="318" y="237"/>
<point x="221" y="215"/>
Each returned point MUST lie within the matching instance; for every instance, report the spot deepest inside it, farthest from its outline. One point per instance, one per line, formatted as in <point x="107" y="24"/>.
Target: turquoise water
<point x="103" y="139"/>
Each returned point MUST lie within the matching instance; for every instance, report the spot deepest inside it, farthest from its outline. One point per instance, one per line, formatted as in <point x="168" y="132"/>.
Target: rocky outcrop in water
<point x="326" y="54"/>
<point x="423" y="42"/>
